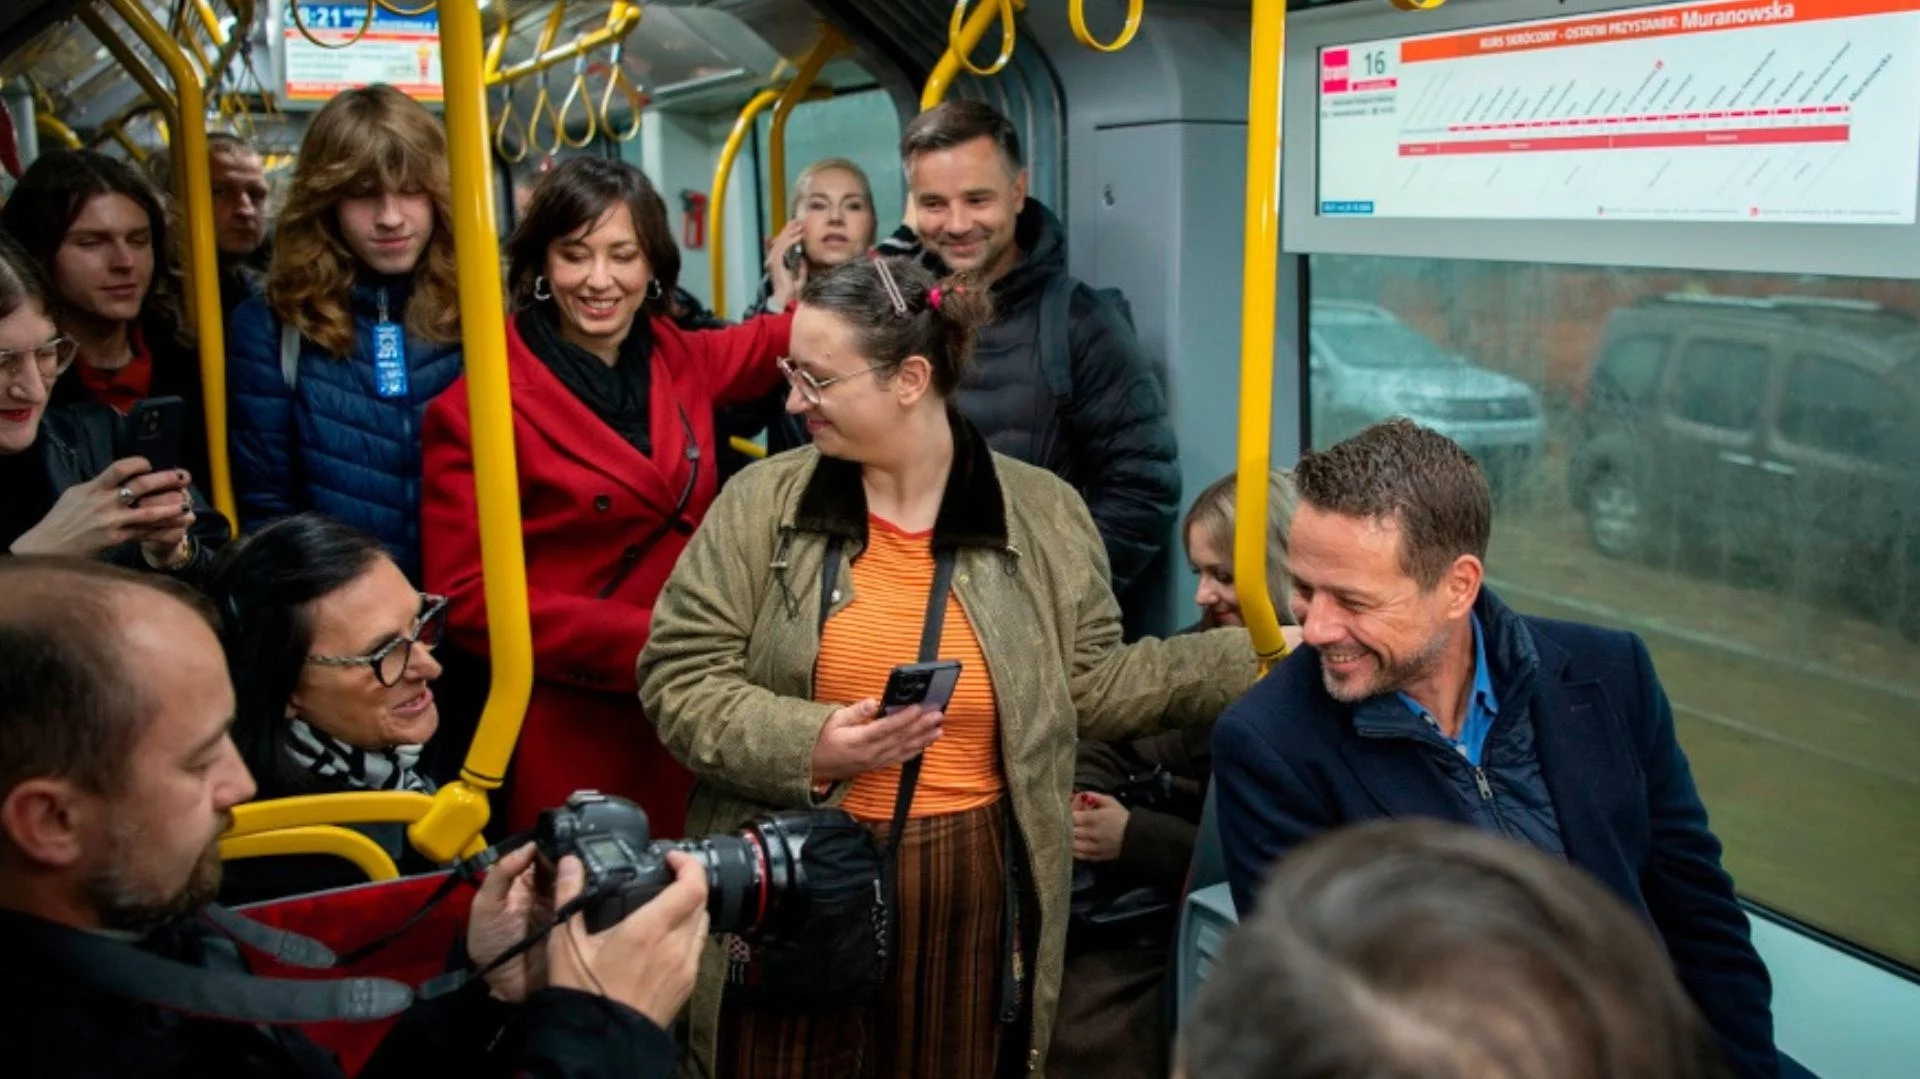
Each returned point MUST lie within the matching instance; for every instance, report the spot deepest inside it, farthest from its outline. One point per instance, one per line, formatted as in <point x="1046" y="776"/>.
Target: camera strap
<point x="943" y="559"/>
<point x="466" y="871"/>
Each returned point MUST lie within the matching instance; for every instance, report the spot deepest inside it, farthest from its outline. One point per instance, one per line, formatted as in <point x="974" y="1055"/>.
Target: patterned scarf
<point x="337" y="764"/>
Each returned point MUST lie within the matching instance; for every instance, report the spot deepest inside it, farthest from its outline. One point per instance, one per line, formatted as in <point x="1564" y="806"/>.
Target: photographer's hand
<point x="507" y="908"/>
<point x="853" y="742"/>
<point x="649" y="960"/>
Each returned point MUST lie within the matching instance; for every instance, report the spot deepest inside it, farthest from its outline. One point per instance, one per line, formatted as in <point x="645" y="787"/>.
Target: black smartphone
<point x="155" y="430"/>
<point x="793" y="256"/>
<point x="928" y="684"/>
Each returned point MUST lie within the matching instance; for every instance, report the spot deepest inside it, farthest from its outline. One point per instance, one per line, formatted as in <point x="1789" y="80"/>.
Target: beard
<point x="1388" y="677"/>
<point x="126" y="904"/>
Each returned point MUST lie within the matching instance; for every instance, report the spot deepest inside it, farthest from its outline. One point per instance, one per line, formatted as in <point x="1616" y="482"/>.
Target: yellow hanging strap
<point x="1077" y="16"/>
<point x="510" y="124"/>
<point x="543" y="101"/>
<point x="957" y="37"/>
<point x="408" y="13"/>
<point x="300" y="24"/>
<point x="577" y="92"/>
<point x="618" y="79"/>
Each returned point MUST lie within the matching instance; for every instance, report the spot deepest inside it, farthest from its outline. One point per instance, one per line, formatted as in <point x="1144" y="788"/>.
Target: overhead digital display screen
<point x="1754" y="111"/>
<point x="400" y="50"/>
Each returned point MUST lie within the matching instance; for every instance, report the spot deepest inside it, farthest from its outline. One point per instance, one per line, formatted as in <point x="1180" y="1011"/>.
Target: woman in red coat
<point x="613" y="426"/>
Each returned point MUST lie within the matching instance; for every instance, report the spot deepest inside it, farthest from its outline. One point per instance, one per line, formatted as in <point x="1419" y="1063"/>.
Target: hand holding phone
<point x="872" y="734"/>
<point x="154" y="430"/>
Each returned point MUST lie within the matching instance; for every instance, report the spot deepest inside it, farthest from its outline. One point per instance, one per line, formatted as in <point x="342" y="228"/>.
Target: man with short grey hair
<point x="1418" y="693"/>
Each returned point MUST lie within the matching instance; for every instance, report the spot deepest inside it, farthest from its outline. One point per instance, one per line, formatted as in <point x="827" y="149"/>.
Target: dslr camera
<point x="757" y="880"/>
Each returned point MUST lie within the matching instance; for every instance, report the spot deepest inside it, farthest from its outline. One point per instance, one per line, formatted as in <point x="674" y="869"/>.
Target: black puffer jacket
<point x="1116" y="443"/>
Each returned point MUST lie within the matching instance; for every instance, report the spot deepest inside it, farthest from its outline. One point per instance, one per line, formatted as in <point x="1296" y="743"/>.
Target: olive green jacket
<point x="727" y="675"/>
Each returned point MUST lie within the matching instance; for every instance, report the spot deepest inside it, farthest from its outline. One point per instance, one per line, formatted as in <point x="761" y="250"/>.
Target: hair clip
<point x="892" y="287"/>
<point x="933" y="297"/>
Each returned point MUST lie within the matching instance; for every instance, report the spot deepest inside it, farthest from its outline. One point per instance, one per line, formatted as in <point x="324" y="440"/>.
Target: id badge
<point x="389" y="360"/>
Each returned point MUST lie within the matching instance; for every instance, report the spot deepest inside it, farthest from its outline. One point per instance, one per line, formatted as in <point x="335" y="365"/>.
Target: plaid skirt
<point x="936" y="1018"/>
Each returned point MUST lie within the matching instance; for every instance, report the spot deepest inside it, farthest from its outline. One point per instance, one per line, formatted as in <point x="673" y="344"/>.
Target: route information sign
<point x="402" y="50"/>
<point x="1761" y="110"/>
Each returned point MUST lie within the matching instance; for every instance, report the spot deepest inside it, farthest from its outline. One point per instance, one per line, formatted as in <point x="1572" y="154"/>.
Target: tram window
<point x="1629" y="371"/>
<point x="1781" y="604"/>
<point x="1836" y="406"/>
<point x="1720" y="384"/>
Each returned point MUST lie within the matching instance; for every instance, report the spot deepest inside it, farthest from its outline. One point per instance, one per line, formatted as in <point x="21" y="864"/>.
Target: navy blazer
<point x="1288" y="763"/>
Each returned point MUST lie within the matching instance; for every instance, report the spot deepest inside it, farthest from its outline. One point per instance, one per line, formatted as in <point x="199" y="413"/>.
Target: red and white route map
<point x="1761" y="110"/>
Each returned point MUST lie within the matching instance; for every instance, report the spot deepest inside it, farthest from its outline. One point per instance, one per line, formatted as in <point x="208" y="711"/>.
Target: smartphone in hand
<point x="929" y="685"/>
<point x="155" y="429"/>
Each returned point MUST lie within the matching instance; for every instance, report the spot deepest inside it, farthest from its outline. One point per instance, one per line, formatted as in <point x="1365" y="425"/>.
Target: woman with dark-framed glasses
<point x="331" y="650"/>
<point x="61" y="490"/>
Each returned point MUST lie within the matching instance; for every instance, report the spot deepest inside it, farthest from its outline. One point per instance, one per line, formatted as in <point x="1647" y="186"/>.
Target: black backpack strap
<point x="943" y="559"/>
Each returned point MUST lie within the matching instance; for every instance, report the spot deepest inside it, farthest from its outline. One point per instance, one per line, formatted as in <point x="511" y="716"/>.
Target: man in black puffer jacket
<point x="1113" y="440"/>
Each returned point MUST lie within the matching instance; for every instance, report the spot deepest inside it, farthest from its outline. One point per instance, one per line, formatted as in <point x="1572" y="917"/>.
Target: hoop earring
<point x="655" y="290"/>
<point x="540" y="289"/>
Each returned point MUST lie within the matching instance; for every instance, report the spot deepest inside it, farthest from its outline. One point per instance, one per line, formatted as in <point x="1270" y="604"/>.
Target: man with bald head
<point x="117" y="778"/>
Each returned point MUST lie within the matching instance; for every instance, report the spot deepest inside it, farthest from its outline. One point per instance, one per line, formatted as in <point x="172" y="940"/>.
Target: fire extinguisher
<point x="693" y="219"/>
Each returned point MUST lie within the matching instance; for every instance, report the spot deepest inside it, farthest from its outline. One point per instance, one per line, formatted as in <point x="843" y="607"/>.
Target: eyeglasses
<point x="52" y="358"/>
<point x="810" y="387"/>
<point x="389" y="661"/>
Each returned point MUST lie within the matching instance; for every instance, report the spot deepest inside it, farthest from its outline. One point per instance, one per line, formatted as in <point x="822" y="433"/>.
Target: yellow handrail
<point x="191" y="165"/>
<point x="748" y="447"/>
<point x="346" y="807"/>
<point x="497" y="51"/>
<point x="796" y="92"/>
<point x="716" y="205"/>
<point x="962" y="43"/>
<point x="459" y="811"/>
<point x="1417" y="5"/>
<point x="1077" y="17"/>
<point x="315" y="839"/>
<point x="1256" y="331"/>
<point x="130" y="61"/>
<point x="621" y="18"/>
<point x="55" y="128"/>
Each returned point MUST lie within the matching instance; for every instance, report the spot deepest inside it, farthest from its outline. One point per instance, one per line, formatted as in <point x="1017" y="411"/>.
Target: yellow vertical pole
<point x="1259" y="275"/>
<point x="795" y="93"/>
<point x="460" y="808"/>
<point x="196" y="186"/>
<point x="717" y="203"/>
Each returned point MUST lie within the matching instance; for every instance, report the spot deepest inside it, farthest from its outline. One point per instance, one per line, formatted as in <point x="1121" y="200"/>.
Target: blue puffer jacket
<point x="333" y="444"/>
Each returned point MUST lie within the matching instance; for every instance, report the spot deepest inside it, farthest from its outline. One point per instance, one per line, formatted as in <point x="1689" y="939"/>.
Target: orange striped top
<point x="879" y="630"/>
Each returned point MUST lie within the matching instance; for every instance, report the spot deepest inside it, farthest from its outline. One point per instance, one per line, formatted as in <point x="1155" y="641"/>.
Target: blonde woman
<point x="1136" y="816"/>
<point x="330" y="372"/>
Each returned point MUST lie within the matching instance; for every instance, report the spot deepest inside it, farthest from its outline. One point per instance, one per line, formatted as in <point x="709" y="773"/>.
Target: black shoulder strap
<point x="929" y="651"/>
<point x="122" y="970"/>
<point x="829" y="576"/>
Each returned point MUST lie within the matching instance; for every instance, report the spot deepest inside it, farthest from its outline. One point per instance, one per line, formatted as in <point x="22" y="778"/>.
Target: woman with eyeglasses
<point x="61" y="491"/>
<point x="613" y="430"/>
<point x="331" y="653"/>
<point x="818" y="573"/>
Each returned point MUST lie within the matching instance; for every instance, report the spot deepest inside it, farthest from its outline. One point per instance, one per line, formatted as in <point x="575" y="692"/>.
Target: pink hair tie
<point x="933" y="297"/>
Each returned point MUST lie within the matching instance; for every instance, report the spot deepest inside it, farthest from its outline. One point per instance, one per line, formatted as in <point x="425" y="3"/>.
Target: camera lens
<point x="736" y="881"/>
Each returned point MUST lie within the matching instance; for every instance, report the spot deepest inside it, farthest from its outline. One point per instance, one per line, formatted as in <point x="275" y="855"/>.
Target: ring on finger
<point x="127" y="497"/>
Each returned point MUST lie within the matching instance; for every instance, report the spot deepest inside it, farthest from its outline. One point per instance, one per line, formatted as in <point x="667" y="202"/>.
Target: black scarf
<point x="617" y="394"/>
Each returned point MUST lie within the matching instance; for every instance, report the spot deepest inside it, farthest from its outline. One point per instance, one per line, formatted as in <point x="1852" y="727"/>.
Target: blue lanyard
<point x="389" y="355"/>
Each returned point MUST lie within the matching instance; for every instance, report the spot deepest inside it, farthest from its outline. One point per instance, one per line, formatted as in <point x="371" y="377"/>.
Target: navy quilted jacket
<point x="332" y="444"/>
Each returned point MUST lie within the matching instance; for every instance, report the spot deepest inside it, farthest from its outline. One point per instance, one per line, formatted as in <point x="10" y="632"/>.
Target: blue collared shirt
<point x="1483" y="707"/>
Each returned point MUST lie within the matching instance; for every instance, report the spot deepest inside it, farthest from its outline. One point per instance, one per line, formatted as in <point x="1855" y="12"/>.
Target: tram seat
<point x="346" y="918"/>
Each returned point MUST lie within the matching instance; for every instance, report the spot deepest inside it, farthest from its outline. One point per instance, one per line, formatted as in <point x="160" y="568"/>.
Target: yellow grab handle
<point x="510" y="119"/>
<point x="1077" y="16"/>
<point x="577" y="92"/>
<point x="366" y="23"/>
<point x="315" y="839"/>
<point x="543" y="109"/>
<point x="617" y="78"/>
<point x="959" y="45"/>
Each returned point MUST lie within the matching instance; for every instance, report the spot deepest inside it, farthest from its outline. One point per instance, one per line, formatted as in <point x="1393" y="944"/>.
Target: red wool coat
<point x="596" y="513"/>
